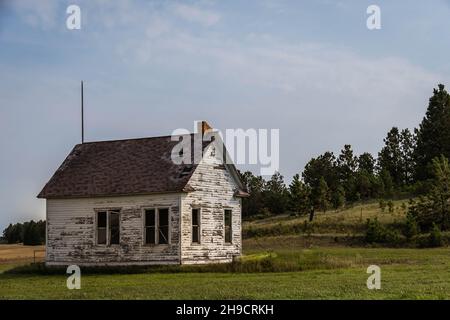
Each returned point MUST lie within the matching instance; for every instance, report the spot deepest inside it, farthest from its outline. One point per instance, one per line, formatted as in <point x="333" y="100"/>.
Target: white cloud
<point x="40" y="14"/>
<point x="290" y="68"/>
<point x="194" y="14"/>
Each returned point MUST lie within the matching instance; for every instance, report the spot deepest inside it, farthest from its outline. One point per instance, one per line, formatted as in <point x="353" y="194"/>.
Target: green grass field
<point x="278" y="267"/>
<point x="327" y="273"/>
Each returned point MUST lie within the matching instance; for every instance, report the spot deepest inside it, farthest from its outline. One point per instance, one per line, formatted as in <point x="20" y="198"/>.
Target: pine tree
<point x="275" y="194"/>
<point x="323" y="199"/>
<point x="324" y="166"/>
<point x="366" y="162"/>
<point x="364" y="184"/>
<point x="255" y="185"/>
<point x="387" y="183"/>
<point x="31" y="236"/>
<point x="347" y="164"/>
<point x="434" y="208"/>
<point x="338" y="197"/>
<point x="390" y="157"/>
<point x="407" y="146"/>
<point x="299" y="193"/>
<point x="440" y="193"/>
<point x="433" y="135"/>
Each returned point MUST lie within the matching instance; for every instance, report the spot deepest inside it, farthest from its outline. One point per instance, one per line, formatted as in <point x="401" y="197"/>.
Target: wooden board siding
<point x="214" y="193"/>
<point x="71" y="231"/>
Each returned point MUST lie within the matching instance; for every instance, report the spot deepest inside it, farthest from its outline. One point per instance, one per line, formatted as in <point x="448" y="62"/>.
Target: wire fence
<point x="34" y="254"/>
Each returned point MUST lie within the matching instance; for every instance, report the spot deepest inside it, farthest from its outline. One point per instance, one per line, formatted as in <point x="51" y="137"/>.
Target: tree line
<point x="410" y="163"/>
<point x="29" y="233"/>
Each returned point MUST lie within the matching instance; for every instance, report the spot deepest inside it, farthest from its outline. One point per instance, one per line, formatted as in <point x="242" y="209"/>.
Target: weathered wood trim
<point x="112" y="263"/>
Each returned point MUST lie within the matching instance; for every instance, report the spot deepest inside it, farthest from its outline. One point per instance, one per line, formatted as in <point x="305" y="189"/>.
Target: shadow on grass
<point x="248" y="264"/>
<point x="262" y="262"/>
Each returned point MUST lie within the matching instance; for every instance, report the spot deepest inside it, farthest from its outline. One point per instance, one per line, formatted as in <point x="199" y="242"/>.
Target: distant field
<point x="312" y="265"/>
<point x="16" y="253"/>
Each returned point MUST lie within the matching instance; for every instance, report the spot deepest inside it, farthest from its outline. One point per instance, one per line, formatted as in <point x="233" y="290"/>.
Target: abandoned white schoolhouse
<point x="125" y="202"/>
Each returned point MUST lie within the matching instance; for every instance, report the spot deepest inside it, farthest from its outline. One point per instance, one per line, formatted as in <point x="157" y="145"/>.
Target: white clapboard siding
<point x="214" y="192"/>
<point x="71" y="231"/>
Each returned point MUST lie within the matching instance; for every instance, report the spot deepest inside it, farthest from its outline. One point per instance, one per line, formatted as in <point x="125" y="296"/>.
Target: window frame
<point x="144" y="228"/>
<point x="199" y="224"/>
<point x="107" y="228"/>
<point x="225" y="227"/>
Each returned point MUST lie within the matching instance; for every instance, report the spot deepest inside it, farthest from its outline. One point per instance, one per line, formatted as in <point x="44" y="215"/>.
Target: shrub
<point x="411" y="227"/>
<point x="382" y="205"/>
<point x="374" y="231"/>
<point x="377" y="233"/>
<point x="391" y="206"/>
<point x="392" y="237"/>
<point x="435" y="237"/>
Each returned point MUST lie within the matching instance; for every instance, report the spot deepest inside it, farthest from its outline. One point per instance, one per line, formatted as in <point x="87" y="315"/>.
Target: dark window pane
<point x="195" y="225"/>
<point x="195" y="234"/>
<point x="101" y="236"/>
<point x="150" y="226"/>
<point x="163" y="234"/>
<point x="150" y="235"/>
<point x="228" y="229"/>
<point x="114" y="227"/>
<point x="195" y="217"/>
<point x="163" y="217"/>
<point x="150" y="218"/>
<point x="101" y="227"/>
<point x="101" y="219"/>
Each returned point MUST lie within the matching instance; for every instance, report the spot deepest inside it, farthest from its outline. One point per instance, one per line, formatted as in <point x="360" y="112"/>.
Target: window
<point x="150" y="226"/>
<point x="228" y="229"/>
<point x="156" y="226"/>
<point x="108" y="227"/>
<point x="195" y="225"/>
<point x="163" y="226"/>
<point x="114" y="228"/>
<point x="101" y="227"/>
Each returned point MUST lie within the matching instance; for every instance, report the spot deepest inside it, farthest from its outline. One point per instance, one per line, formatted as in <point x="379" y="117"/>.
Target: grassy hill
<point x="340" y="224"/>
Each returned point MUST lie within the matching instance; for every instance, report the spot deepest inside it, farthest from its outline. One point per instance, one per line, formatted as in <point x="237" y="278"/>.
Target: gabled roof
<point x="120" y="167"/>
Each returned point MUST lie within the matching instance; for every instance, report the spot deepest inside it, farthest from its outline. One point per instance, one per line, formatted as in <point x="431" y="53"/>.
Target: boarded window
<point x="150" y="226"/>
<point x="101" y="227"/>
<point x="163" y="226"/>
<point x="114" y="227"/>
<point x="228" y="229"/>
<point x="195" y="225"/>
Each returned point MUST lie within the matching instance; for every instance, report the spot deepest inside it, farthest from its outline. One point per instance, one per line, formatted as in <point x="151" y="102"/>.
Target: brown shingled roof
<point x="120" y="167"/>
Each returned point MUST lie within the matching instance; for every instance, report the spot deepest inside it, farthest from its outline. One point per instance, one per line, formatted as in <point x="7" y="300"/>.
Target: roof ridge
<point x="134" y="139"/>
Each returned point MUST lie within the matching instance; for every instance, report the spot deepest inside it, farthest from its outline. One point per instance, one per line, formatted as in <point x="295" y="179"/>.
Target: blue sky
<point x="309" y="68"/>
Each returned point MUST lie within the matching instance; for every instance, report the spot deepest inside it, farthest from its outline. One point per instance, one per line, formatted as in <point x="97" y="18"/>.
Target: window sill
<point x="108" y="245"/>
